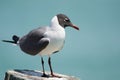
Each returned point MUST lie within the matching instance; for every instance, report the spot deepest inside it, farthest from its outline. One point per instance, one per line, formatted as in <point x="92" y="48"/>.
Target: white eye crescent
<point x="66" y="20"/>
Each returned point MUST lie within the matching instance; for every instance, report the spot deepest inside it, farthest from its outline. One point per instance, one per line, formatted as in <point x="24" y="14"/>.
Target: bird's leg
<point x="49" y="62"/>
<point x="42" y="61"/>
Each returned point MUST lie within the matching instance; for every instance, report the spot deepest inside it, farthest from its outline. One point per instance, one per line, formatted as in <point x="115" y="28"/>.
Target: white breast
<point x="56" y="35"/>
<point x="56" y="43"/>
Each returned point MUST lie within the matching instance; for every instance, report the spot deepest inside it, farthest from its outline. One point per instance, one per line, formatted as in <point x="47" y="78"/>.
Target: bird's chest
<point x="57" y="38"/>
<point x="56" y="41"/>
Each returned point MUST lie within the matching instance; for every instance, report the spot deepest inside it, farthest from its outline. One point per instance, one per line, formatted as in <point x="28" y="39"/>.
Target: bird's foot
<point x="53" y="75"/>
<point x="45" y="75"/>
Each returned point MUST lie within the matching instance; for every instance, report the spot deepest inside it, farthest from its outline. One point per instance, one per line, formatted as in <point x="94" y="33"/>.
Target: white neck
<point x="55" y="24"/>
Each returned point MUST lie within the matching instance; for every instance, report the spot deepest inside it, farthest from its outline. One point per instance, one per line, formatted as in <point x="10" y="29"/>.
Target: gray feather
<point x="32" y="43"/>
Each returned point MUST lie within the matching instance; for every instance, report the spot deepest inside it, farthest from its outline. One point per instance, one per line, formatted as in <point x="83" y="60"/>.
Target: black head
<point x="64" y="21"/>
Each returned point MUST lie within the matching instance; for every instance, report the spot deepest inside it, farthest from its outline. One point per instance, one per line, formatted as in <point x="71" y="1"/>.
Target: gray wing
<point x="33" y="42"/>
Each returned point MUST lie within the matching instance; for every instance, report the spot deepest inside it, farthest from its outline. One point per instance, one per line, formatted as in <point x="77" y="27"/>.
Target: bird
<point x="45" y="40"/>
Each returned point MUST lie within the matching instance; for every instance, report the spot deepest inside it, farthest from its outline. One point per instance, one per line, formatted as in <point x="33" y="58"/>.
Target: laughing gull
<point x="45" y="40"/>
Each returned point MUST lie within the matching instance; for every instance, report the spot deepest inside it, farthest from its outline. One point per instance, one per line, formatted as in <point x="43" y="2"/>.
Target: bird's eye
<point x="67" y="20"/>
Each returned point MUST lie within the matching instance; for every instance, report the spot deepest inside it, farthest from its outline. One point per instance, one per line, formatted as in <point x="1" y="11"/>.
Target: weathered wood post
<point x="33" y="75"/>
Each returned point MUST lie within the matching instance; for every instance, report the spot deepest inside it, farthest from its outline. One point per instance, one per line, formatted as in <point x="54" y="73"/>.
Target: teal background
<point x="93" y="53"/>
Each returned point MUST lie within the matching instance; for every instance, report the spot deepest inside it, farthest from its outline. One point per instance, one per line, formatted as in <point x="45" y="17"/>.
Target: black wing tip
<point x="8" y="41"/>
<point x="14" y="38"/>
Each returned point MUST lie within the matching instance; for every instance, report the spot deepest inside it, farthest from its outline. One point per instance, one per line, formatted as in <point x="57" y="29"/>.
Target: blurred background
<point x="93" y="53"/>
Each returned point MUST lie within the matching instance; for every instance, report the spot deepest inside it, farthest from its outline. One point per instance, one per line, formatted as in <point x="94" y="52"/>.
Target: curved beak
<point x="74" y="26"/>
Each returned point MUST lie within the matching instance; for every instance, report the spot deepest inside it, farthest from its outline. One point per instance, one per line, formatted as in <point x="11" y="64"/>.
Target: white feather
<point x="56" y="35"/>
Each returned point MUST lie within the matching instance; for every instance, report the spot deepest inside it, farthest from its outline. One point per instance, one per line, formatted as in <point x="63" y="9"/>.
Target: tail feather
<point x="15" y="40"/>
